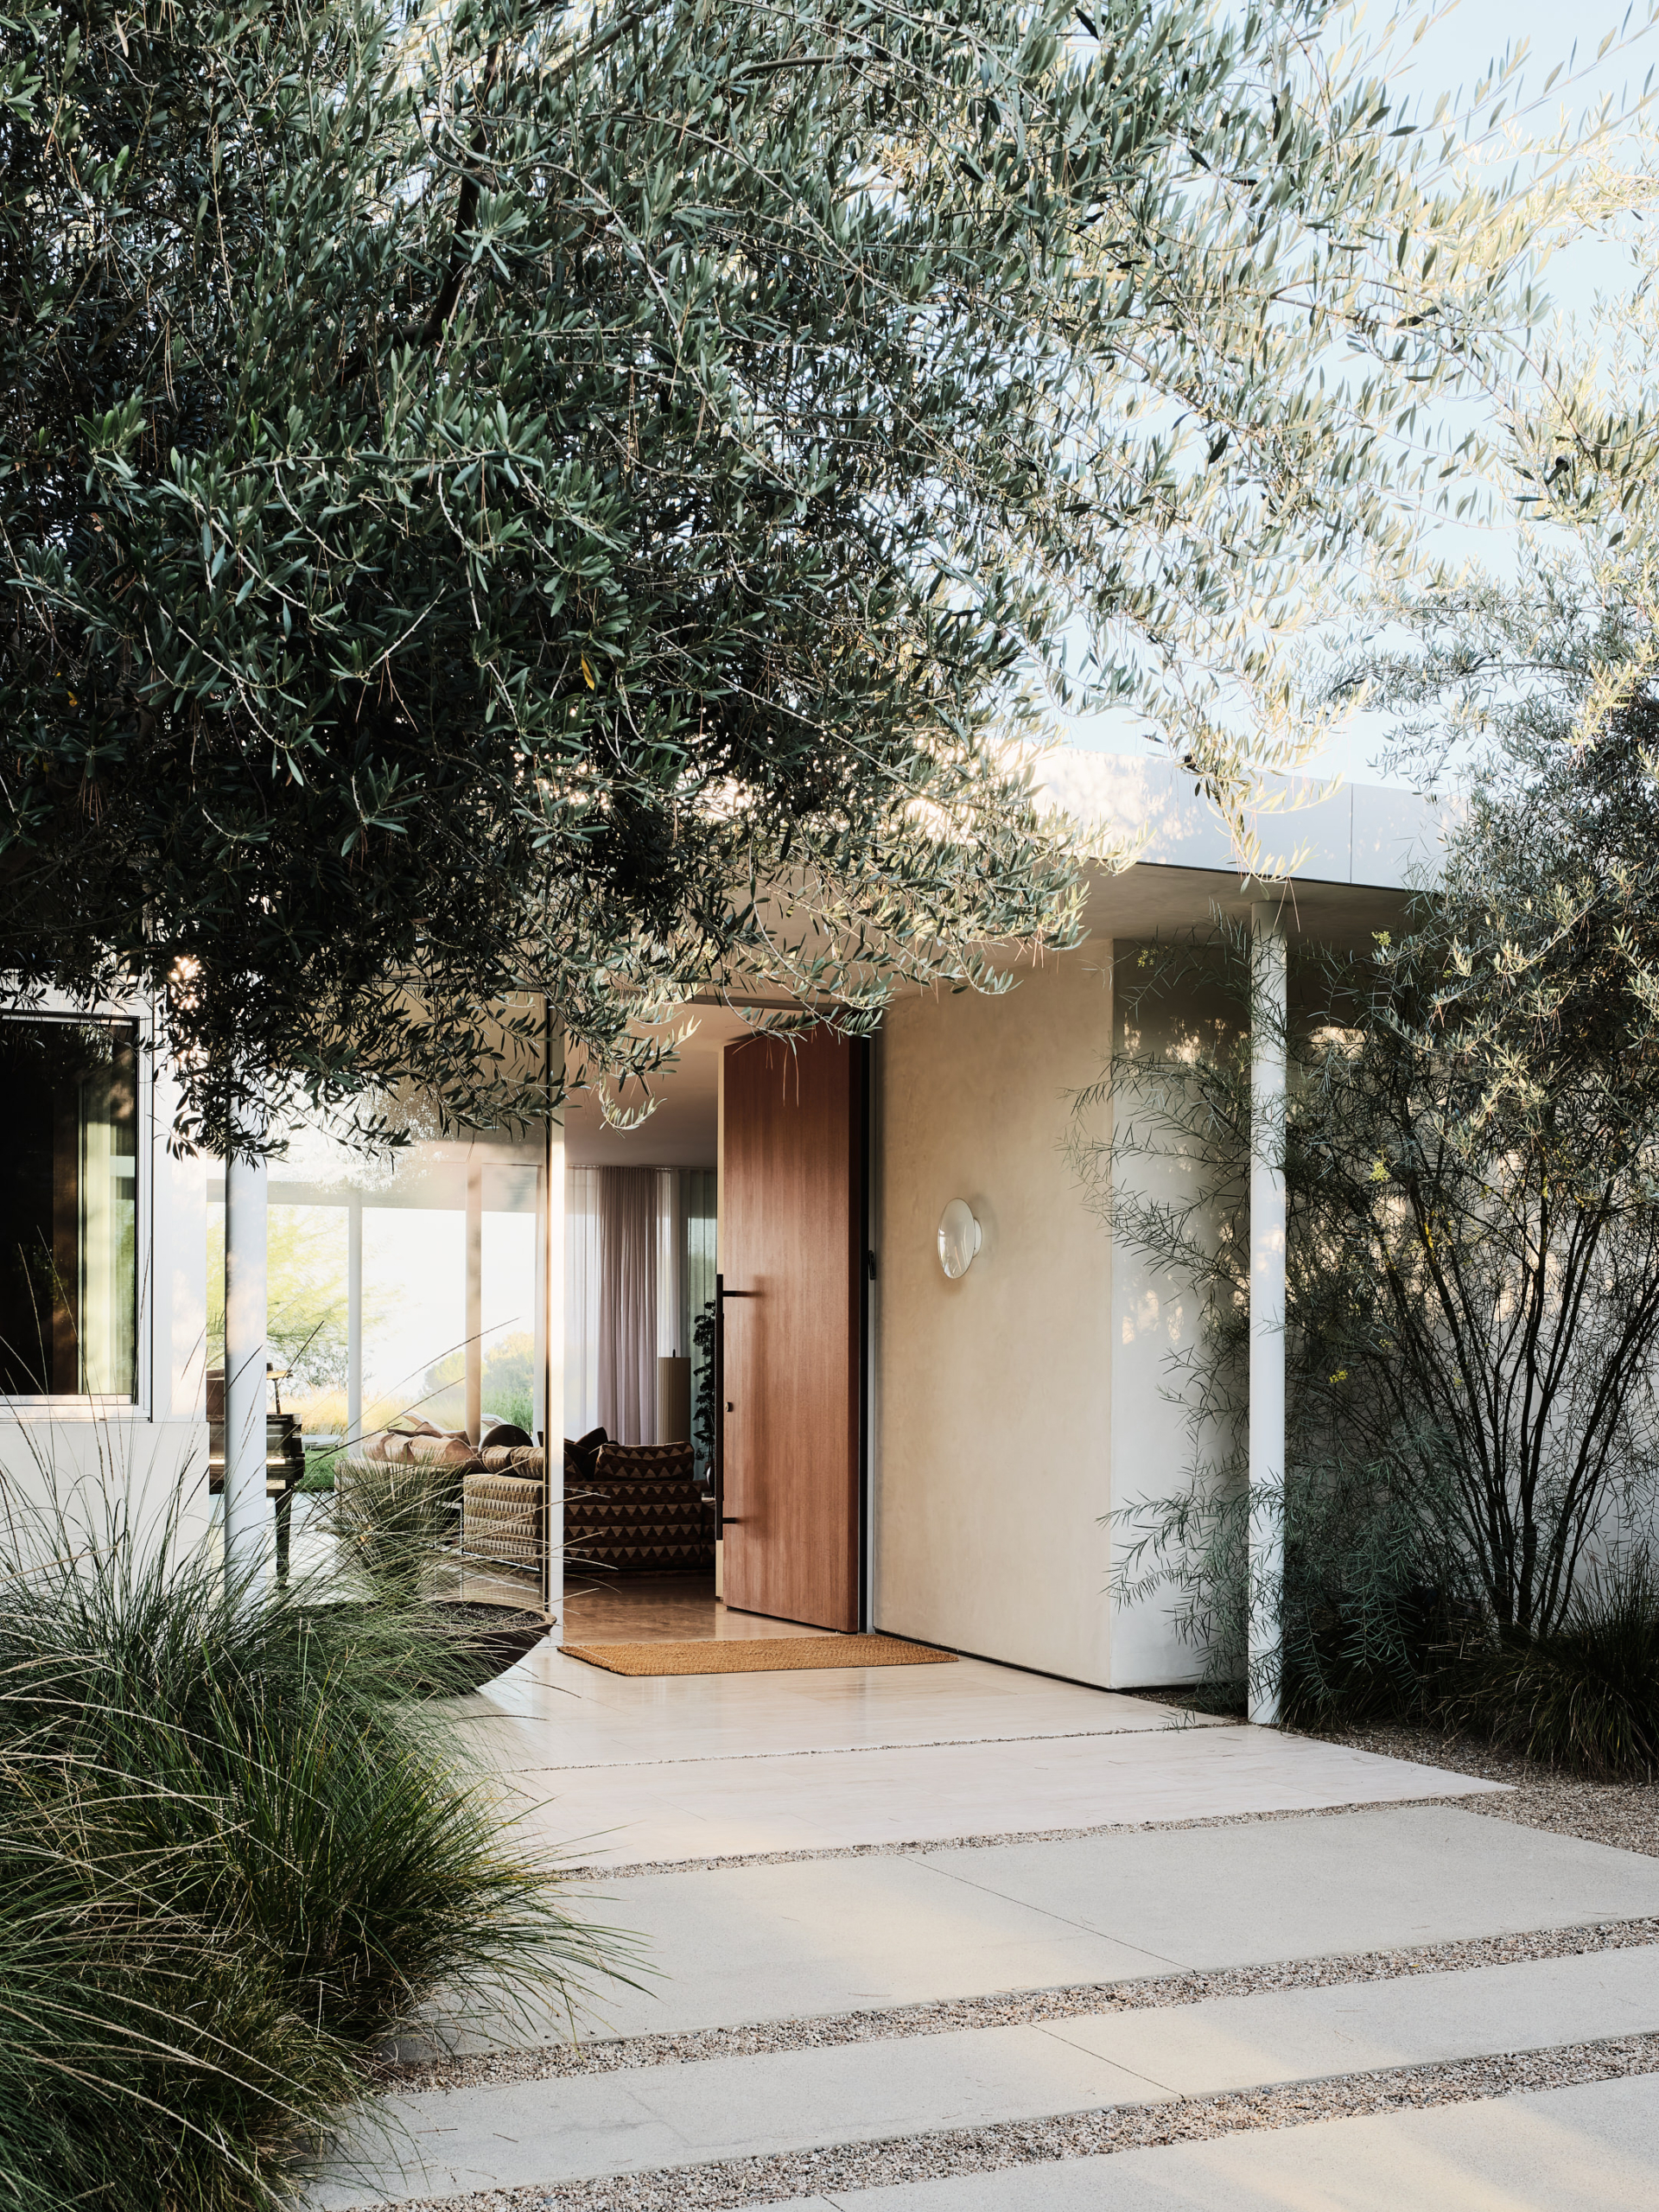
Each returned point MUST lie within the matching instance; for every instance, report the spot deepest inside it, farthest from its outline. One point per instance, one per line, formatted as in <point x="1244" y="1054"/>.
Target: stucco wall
<point x="993" y="1394"/>
<point x="1155" y="1325"/>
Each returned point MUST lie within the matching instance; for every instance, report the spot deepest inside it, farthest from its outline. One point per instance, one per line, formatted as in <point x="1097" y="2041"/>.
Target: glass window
<point x="68" y="1209"/>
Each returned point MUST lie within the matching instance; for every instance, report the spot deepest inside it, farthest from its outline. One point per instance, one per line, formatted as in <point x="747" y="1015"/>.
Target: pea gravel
<point x="736" y="2181"/>
<point x="1623" y="1814"/>
<point x="622" y="2054"/>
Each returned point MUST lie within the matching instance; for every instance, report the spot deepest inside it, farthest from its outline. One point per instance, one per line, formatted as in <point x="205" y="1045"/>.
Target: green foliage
<point x="306" y="1292"/>
<point x="703" y="1409"/>
<point x="234" y="1861"/>
<point x="509" y="1381"/>
<point x="319" y="1475"/>
<point x="393" y="1520"/>
<point x="521" y="506"/>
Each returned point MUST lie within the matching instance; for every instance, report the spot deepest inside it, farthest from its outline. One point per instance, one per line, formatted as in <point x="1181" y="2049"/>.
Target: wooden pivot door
<point x="791" y="1254"/>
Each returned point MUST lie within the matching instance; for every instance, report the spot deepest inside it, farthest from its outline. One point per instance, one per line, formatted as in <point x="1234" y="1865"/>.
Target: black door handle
<point x="723" y="1519"/>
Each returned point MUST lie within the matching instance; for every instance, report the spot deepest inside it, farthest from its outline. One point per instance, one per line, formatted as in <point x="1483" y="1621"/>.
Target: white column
<point x="474" y="1302"/>
<point x="1266" y="1439"/>
<point x="355" y="1319"/>
<point x="247" y="1511"/>
<point x="539" y="1395"/>
<point x="552" y="1270"/>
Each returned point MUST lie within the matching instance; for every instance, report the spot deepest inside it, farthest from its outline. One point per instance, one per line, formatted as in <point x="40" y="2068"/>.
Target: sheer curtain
<point x="671" y="1246"/>
<point x="639" y="1268"/>
<point x="581" y="1279"/>
<point x="627" y="1303"/>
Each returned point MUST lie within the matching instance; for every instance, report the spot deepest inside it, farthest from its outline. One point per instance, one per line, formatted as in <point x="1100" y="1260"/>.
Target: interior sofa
<point x="629" y="1509"/>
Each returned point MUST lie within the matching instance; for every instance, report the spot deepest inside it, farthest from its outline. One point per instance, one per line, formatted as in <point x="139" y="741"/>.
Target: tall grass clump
<point x="1587" y="1695"/>
<point x="237" y="1853"/>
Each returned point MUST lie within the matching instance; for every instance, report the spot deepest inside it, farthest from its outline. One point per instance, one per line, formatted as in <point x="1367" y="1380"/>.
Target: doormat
<point x="755" y="1654"/>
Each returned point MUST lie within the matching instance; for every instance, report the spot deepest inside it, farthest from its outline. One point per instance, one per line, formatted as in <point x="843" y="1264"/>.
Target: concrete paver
<point x="710" y="1808"/>
<point x="1298" y="1888"/>
<point x="559" y="1713"/>
<point x="538" y="2132"/>
<point x="739" y="1944"/>
<point x="736" y="1944"/>
<point x="521" y="2133"/>
<point x="924" y="1759"/>
<point x="1243" y="2042"/>
<point x="1592" y="2148"/>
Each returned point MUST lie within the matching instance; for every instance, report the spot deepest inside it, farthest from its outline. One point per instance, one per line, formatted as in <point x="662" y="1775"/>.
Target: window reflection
<point x="68" y="1209"/>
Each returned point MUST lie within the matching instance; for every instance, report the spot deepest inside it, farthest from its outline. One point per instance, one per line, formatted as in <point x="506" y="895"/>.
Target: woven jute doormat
<point x="755" y="1654"/>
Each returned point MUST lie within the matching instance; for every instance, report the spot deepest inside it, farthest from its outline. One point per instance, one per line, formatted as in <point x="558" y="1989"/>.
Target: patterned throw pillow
<point x="644" y="1462"/>
<point x="580" y="1454"/>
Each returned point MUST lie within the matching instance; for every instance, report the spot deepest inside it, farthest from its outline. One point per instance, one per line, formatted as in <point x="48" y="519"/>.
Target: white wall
<point x="993" y="1423"/>
<point x="1018" y="1410"/>
<point x="1155" y="1319"/>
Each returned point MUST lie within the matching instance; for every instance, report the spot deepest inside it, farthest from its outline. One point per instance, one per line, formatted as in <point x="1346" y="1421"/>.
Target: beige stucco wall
<point x="1156" y="1324"/>
<point x="992" y="1417"/>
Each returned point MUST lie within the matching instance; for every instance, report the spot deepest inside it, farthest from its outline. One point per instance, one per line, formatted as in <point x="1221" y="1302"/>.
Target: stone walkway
<point x="875" y="1988"/>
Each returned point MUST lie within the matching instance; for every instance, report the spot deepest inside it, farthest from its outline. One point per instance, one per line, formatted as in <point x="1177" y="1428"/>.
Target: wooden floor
<point x="659" y="1609"/>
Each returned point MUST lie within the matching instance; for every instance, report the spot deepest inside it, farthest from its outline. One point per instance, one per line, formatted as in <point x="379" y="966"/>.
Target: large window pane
<point x="68" y="1209"/>
<point x="510" y="1391"/>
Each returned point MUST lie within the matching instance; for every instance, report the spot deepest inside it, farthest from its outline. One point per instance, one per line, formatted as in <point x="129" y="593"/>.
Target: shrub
<point x="235" y="1856"/>
<point x="1585" y="1696"/>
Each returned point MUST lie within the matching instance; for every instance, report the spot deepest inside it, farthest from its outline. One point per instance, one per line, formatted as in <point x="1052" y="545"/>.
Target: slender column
<point x="1266" y="1439"/>
<point x="247" y="1513"/>
<point x="474" y="1302"/>
<point x="355" y="1319"/>
<point x="552" y="1302"/>
<point x="538" y="1394"/>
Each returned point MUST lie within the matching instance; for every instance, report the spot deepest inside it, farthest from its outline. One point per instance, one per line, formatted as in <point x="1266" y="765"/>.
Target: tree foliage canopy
<point x="523" y="505"/>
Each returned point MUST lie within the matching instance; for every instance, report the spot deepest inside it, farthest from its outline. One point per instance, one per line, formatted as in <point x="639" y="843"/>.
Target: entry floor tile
<point x="1592" y="2148"/>
<point x="719" y="1808"/>
<point x="524" y="2133"/>
<point x="563" y="1714"/>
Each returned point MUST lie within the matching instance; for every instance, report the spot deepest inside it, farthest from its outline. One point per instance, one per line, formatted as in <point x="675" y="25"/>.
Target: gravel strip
<point x="1074" y="2135"/>
<point x="1623" y="1814"/>
<point x="625" y="2053"/>
<point x="1172" y="1726"/>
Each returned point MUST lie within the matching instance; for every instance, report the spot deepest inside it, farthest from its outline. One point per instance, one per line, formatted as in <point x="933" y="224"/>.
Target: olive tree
<point x="551" y="507"/>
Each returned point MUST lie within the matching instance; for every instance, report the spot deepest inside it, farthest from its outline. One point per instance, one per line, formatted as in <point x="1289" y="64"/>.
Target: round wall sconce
<point x="959" y="1238"/>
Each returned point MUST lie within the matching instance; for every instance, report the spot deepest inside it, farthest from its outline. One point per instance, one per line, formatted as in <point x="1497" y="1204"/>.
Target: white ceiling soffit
<point x="1351" y="833"/>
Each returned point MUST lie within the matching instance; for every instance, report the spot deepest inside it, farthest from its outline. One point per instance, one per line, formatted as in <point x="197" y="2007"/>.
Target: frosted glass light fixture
<point x="959" y="1238"/>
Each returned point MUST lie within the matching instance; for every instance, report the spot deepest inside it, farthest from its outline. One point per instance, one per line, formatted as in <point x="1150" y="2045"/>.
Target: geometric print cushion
<point x="637" y="1463"/>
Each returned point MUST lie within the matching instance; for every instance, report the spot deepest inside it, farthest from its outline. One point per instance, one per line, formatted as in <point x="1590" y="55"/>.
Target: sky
<point x="1457" y="52"/>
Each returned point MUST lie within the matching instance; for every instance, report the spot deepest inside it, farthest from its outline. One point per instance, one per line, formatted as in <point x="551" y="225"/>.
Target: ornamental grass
<point x="239" y="1853"/>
